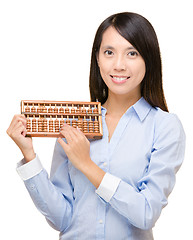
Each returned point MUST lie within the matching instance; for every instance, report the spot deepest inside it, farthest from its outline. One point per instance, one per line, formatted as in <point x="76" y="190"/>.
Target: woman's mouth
<point x="119" y="79"/>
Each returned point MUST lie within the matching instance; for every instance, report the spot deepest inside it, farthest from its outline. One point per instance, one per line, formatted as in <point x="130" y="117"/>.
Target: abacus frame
<point x="47" y="115"/>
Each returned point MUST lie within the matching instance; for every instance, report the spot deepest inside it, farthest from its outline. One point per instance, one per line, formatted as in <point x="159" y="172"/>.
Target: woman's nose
<point x="119" y="63"/>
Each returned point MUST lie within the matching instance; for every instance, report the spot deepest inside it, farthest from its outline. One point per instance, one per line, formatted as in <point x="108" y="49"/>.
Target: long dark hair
<point x="140" y="33"/>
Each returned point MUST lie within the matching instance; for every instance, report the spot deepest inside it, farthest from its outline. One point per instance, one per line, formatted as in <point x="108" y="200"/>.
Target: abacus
<point x="46" y="118"/>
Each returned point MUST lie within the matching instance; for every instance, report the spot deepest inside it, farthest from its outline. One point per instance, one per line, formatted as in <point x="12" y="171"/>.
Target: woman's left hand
<point x="77" y="147"/>
<point x="77" y="150"/>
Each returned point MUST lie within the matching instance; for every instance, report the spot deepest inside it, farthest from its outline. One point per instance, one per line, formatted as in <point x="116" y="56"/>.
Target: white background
<point x="45" y="49"/>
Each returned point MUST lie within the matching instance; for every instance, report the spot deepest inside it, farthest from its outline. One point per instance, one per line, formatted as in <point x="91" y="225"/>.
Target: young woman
<point x="116" y="187"/>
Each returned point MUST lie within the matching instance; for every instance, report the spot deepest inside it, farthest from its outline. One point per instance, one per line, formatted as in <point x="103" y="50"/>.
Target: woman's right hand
<point x="17" y="131"/>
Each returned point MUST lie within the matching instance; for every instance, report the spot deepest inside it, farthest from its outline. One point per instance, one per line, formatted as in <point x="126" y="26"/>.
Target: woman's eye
<point x="108" y="52"/>
<point x="133" y="54"/>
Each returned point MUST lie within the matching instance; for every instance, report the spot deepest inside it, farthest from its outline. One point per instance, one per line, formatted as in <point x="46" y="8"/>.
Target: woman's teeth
<point x="119" y="78"/>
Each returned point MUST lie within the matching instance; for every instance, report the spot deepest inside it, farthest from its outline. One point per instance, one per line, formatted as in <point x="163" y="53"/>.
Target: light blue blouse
<point x="144" y="154"/>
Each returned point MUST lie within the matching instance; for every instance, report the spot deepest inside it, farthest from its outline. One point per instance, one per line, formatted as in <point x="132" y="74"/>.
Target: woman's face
<point x="121" y="66"/>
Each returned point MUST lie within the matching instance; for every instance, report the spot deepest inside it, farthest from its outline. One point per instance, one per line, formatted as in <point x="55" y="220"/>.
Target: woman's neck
<point x="118" y="105"/>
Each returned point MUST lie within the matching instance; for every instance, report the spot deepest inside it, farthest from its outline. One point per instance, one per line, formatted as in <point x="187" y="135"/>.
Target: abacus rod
<point x="61" y="114"/>
<point x="58" y="134"/>
<point x="47" y="102"/>
<point x="100" y="119"/>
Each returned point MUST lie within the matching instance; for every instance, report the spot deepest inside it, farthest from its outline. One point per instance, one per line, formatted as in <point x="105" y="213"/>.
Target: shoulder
<point x="167" y="125"/>
<point x="164" y="119"/>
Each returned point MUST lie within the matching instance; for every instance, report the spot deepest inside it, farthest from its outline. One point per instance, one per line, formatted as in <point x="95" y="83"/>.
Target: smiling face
<point x="121" y="66"/>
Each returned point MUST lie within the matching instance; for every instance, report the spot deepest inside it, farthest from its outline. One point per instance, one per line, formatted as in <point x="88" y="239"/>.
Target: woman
<point x="116" y="187"/>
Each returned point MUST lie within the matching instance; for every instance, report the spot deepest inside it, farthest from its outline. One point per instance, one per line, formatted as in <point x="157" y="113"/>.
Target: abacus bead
<point x="40" y="125"/>
<point x="28" y="125"/>
<point x="56" y="125"/>
<point x="72" y="110"/>
<point x="85" y="126"/>
<point x="61" y="123"/>
<point x="79" y="123"/>
<point x="91" y="125"/>
<point x="78" y="110"/>
<point x="95" y="110"/>
<point x="51" y="125"/>
<point x="83" y="110"/>
<point x="74" y="123"/>
<point x="45" y="128"/>
<point x="41" y="108"/>
<point x="33" y="109"/>
<point x="50" y="109"/>
<point x="67" y="110"/>
<point x="90" y="110"/>
<point x="96" y="126"/>
<point x="27" y="109"/>
<point x="68" y="121"/>
<point x="61" y="110"/>
<point x="34" y="125"/>
<point x="56" y="110"/>
<point x="38" y="109"/>
<point x="44" y="109"/>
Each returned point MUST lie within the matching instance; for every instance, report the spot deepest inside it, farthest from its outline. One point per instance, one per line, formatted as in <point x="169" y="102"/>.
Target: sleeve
<point x="30" y="169"/>
<point x="142" y="205"/>
<point x="53" y="198"/>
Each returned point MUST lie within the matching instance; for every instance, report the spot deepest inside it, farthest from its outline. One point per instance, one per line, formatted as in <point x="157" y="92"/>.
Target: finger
<point x="23" y="119"/>
<point x="79" y="131"/>
<point x="67" y="127"/>
<point x="68" y="133"/>
<point x="18" y="130"/>
<point x="19" y="125"/>
<point x="14" y="122"/>
<point x="63" y="144"/>
<point x="24" y="132"/>
<point x="19" y="117"/>
<point x="74" y="131"/>
<point x="77" y="134"/>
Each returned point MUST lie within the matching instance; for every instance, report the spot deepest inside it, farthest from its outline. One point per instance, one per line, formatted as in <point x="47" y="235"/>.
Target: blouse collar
<point x="141" y="107"/>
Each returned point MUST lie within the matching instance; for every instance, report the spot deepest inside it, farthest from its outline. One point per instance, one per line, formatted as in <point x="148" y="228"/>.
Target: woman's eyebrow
<point x="112" y="48"/>
<point x="108" y="47"/>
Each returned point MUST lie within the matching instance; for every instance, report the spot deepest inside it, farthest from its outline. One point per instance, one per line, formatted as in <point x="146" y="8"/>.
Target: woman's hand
<point x="77" y="150"/>
<point x="17" y="131"/>
<point x="77" y="147"/>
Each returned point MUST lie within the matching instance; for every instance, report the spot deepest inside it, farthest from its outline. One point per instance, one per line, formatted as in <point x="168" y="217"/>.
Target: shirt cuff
<point x="30" y="169"/>
<point x="108" y="187"/>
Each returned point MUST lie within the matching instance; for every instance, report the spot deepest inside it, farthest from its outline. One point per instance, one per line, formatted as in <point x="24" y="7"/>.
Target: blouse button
<point x="104" y="164"/>
<point x="32" y="187"/>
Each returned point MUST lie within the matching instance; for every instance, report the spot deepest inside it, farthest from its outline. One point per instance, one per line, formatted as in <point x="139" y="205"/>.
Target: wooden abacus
<point x="46" y="118"/>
